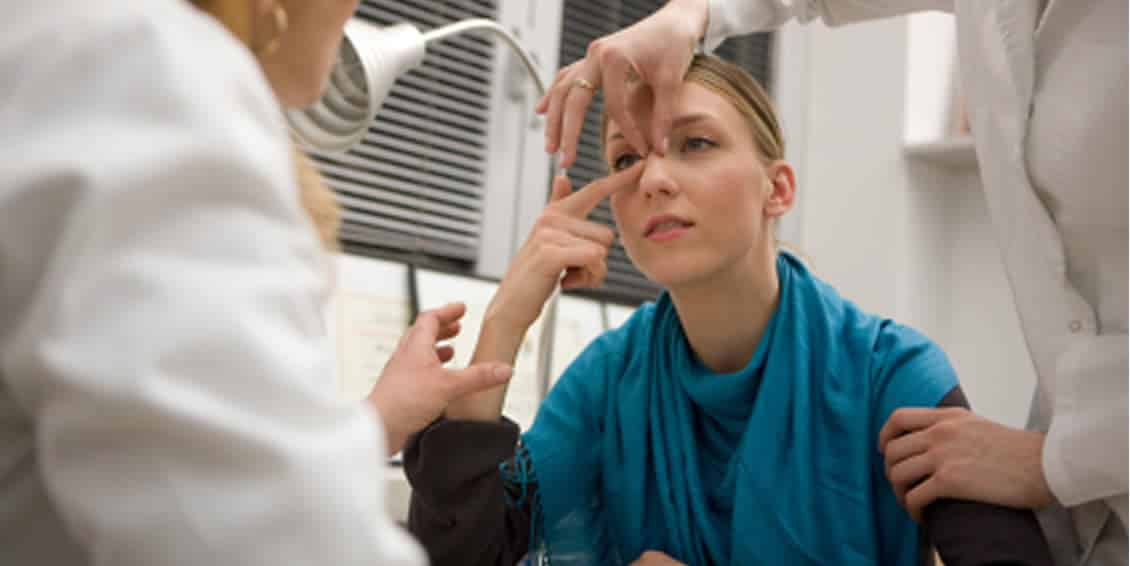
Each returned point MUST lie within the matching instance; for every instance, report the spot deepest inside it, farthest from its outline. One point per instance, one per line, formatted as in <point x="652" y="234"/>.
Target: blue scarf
<point x="640" y="447"/>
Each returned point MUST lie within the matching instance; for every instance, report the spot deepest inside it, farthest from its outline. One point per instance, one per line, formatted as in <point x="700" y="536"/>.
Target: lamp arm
<point x="502" y="33"/>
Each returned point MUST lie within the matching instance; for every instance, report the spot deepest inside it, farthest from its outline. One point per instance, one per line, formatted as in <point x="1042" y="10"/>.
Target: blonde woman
<point x="165" y="378"/>
<point x="732" y="422"/>
<point x="1051" y="147"/>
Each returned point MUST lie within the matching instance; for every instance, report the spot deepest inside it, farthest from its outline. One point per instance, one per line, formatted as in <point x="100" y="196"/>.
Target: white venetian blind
<point x="414" y="186"/>
<point x="582" y="22"/>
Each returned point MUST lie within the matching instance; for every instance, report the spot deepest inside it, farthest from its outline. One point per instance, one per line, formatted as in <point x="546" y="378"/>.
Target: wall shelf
<point x="956" y="152"/>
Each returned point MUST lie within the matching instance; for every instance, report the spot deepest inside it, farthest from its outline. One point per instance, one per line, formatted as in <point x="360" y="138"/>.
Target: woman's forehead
<point x="692" y="103"/>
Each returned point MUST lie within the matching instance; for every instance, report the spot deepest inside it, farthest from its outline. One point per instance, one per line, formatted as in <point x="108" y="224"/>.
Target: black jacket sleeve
<point x="967" y="533"/>
<point x="459" y="509"/>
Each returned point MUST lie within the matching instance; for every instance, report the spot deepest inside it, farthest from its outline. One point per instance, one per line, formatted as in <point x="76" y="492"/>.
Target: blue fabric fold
<point x="641" y="447"/>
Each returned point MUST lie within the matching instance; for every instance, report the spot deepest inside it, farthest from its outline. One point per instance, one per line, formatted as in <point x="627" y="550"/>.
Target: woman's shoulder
<point x="903" y="365"/>
<point x="857" y="327"/>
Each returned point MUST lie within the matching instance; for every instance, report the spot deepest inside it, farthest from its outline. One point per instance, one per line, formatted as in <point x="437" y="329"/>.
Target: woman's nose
<point x="656" y="179"/>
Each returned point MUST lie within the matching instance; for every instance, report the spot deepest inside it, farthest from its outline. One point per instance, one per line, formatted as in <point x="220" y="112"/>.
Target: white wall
<point x="983" y="335"/>
<point x="854" y="177"/>
<point x="901" y="237"/>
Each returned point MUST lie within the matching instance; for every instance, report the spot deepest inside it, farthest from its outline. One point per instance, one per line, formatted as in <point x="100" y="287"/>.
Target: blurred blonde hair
<point x="316" y="197"/>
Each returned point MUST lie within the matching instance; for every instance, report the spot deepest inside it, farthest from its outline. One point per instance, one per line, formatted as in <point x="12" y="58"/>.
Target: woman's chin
<point x="669" y="274"/>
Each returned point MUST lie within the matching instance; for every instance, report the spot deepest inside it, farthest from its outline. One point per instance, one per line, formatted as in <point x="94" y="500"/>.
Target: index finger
<point x="581" y="202"/>
<point x="615" y="69"/>
<point x="907" y="420"/>
<point x="430" y="322"/>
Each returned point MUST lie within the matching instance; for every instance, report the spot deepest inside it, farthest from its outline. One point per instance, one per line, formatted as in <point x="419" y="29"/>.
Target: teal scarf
<point x="640" y="447"/>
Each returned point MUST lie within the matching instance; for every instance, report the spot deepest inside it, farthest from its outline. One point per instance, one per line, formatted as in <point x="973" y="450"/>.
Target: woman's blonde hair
<point x="742" y="91"/>
<point x="316" y="197"/>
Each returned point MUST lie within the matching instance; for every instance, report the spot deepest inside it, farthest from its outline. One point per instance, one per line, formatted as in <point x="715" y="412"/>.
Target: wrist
<point x="1041" y="493"/>
<point x="695" y="14"/>
<point x="502" y="320"/>
<point x="395" y="435"/>
<point x="499" y="340"/>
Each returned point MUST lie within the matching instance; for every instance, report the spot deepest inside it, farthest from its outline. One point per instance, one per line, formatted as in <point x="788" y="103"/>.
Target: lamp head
<point x="368" y="63"/>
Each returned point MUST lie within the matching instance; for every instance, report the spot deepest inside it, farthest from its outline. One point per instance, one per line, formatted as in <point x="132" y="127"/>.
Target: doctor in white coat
<point x="166" y="386"/>
<point x="1046" y="87"/>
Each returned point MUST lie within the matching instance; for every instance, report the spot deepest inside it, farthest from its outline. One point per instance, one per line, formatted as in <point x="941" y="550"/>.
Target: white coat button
<point x="1075" y="326"/>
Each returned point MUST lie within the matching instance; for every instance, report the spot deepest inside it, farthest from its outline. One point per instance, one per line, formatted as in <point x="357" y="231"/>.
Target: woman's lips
<point x="666" y="228"/>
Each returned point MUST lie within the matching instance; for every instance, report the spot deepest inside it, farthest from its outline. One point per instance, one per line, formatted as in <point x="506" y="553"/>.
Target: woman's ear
<point x="782" y="188"/>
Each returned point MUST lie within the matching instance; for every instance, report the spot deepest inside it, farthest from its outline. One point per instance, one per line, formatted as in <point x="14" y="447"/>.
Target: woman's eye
<point x="697" y="144"/>
<point x="625" y="161"/>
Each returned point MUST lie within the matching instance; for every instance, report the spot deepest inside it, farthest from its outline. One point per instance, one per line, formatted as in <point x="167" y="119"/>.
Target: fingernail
<point x="503" y="372"/>
<point x="663" y="146"/>
<point x="561" y="159"/>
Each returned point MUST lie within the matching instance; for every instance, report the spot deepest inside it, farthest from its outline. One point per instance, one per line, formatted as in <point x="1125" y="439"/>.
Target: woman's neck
<point x="724" y="315"/>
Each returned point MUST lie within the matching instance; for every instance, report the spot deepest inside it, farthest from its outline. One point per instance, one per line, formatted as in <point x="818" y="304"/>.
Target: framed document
<point x="578" y="322"/>
<point x="370" y="309"/>
<point x="435" y="289"/>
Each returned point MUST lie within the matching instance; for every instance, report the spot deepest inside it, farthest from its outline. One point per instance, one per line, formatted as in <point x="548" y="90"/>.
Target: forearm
<point x="498" y="342"/>
<point x="729" y="18"/>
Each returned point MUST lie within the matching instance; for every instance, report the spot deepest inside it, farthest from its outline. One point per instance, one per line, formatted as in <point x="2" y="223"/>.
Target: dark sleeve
<point x="969" y="533"/>
<point x="459" y="509"/>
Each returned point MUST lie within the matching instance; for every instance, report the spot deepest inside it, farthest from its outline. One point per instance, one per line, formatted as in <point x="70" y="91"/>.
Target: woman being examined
<point x="733" y="421"/>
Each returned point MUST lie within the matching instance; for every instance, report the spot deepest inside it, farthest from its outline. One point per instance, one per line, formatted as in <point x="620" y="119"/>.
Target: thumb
<point x="561" y="188"/>
<point x="478" y="377"/>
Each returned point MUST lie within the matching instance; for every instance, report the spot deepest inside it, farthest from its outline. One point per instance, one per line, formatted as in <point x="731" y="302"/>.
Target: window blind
<point x="414" y="186"/>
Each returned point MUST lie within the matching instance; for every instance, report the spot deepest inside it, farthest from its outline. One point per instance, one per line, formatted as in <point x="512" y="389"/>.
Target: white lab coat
<point x="166" y="382"/>
<point x="1047" y="94"/>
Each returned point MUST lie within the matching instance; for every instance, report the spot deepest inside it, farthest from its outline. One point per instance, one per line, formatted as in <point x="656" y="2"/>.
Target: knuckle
<point x="945" y="431"/>
<point x="936" y="434"/>
<point x="561" y="89"/>
<point x="958" y="412"/>
<point x="549" y="224"/>
<point x="945" y="476"/>
<point x="576" y="103"/>
<point x="607" y="54"/>
<point x="597" y="47"/>
<point x="607" y="235"/>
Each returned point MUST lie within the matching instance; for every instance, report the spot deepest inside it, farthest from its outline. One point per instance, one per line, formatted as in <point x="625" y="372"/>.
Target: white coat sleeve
<point x="1085" y="451"/>
<point x="173" y="356"/>
<point x="738" y="17"/>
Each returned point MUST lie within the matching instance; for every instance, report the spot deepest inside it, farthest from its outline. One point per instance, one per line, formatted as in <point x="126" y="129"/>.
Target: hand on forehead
<point x="640" y="106"/>
<point x="691" y="103"/>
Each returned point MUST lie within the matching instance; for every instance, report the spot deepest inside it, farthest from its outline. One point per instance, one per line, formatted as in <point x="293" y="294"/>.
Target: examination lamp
<point x="369" y="61"/>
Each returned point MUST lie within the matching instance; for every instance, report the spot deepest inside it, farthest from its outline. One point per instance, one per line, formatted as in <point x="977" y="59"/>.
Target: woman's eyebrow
<point x="679" y="122"/>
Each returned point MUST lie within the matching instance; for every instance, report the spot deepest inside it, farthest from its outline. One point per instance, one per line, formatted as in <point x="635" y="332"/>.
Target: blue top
<point x="640" y="447"/>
